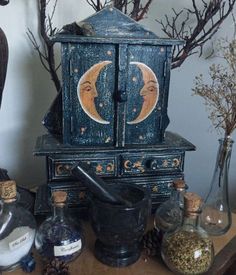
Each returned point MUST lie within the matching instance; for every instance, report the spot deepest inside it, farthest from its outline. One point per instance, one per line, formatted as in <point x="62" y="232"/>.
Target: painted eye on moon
<point x="86" y="91"/>
<point x="149" y="92"/>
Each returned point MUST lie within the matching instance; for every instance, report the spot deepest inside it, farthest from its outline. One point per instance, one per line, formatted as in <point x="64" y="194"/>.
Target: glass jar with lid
<point x="17" y="228"/>
<point x="168" y="215"/>
<point x="188" y="250"/>
<point x="59" y="236"/>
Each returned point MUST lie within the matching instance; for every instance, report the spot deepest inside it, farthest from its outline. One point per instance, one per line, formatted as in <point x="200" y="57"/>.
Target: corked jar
<point x="188" y="250"/>
<point x="59" y="236"/>
<point x="168" y="215"/>
<point x="17" y="228"/>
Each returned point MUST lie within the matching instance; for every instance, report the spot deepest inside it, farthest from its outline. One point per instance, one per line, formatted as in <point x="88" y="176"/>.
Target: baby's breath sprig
<point x="220" y="94"/>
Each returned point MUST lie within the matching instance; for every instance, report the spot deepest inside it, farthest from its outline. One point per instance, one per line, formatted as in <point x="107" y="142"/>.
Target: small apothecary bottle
<point x="17" y="228"/>
<point x="59" y="236"/>
<point x="188" y="250"/>
<point x="168" y="215"/>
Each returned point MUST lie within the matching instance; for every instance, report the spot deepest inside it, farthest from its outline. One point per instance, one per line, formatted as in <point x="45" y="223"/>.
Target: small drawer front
<point x="76" y="196"/>
<point x="152" y="164"/>
<point x="159" y="188"/>
<point x="60" y="169"/>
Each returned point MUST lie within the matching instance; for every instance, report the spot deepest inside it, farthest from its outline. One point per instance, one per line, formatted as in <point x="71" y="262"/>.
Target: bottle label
<point x="68" y="249"/>
<point x="19" y="242"/>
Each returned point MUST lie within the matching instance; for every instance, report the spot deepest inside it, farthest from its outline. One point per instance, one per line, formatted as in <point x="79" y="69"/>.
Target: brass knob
<point x="154" y="165"/>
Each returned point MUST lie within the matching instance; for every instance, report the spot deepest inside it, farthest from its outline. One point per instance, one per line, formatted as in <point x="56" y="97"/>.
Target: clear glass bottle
<point x="216" y="215"/>
<point x="188" y="250"/>
<point x="59" y="236"/>
<point x="17" y="228"/>
<point x="168" y="215"/>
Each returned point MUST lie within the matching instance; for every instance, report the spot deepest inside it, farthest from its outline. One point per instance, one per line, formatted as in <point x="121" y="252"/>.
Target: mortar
<point x="119" y="228"/>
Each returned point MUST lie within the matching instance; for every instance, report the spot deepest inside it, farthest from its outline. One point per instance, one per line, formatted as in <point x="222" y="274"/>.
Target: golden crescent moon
<point x="149" y="92"/>
<point x="86" y="91"/>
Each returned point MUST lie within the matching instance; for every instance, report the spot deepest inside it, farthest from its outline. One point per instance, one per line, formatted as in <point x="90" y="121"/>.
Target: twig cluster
<point x="220" y="95"/>
<point x="136" y="9"/>
<point x="46" y="50"/>
<point x="207" y="22"/>
<point x="179" y="26"/>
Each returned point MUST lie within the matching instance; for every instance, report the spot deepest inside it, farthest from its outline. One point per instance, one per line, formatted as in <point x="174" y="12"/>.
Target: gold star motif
<point x="99" y="168"/>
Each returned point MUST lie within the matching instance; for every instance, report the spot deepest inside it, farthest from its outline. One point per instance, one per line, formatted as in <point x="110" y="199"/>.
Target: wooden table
<point x="87" y="264"/>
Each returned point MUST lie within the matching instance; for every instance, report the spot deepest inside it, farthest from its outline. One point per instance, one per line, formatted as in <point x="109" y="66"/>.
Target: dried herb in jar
<point x="188" y="250"/>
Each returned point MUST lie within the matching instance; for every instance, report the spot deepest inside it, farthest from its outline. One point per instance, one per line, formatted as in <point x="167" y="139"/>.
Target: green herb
<point x="187" y="252"/>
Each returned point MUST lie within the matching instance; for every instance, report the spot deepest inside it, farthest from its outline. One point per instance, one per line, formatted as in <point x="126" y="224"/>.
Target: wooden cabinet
<point x="115" y="89"/>
<point x="112" y="113"/>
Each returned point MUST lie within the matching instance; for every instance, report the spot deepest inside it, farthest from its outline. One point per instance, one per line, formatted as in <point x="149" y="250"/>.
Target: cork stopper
<point x="179" y="184"/>
<point x="59" y="197"/>
<point x="192" y="203"/>
<point x="8" y="190"/>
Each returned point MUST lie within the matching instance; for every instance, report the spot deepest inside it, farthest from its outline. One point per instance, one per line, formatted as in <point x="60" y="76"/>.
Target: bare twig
<point x="208" y="21"/>
<point x="134" y="8"/>
<point x="46" y="52"/>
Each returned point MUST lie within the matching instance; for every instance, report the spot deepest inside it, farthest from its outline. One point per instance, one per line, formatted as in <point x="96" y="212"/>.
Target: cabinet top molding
<point x="106" y="24"/>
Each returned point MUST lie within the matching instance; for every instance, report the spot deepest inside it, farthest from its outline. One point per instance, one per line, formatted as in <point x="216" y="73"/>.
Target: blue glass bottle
<point x="59" y="236"/>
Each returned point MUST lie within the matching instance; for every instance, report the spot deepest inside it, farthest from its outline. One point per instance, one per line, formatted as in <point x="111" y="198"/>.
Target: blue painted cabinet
<point x="112" y="113"/>
<point x="114" y="94"/>
<point x="115" y="84"/>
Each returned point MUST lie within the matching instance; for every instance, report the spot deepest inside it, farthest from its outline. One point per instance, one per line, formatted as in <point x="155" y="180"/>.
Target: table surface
<point x="87" y="264"/>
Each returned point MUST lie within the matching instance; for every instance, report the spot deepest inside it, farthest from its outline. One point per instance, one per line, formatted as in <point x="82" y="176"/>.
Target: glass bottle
<point x="168" y="215"/>
<point x="59" y="236"/>
<point x="216" y="215"/>
<point x="17" y="228"/>
<point x="188" y="250"/>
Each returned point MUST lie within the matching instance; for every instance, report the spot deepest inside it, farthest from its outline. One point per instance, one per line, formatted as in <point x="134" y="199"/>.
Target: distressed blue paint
<point x="142" y="153"/>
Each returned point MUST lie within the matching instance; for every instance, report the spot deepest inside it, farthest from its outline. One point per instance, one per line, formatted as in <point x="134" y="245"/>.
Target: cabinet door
<point x="147" y="94"/>
<point x="91" y="97"/>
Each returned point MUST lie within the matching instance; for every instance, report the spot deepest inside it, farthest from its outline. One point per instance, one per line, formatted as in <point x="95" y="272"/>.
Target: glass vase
<point x="216" y="215"/>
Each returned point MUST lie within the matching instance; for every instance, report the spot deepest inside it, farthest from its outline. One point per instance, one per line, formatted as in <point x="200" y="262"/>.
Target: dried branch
<point x="46" y="54"/>
<point x="208" y="21"/>
<point x="134" y="8"/>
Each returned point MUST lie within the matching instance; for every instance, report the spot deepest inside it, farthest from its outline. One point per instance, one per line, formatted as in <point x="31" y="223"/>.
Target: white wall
<point x="29" y="92"/>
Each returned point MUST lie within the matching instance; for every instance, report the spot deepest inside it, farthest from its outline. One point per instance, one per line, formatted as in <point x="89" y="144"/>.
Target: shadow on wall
<point x="39" y="93"/>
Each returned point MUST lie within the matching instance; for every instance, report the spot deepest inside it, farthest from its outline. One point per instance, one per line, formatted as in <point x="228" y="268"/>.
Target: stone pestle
<point x="97" y="186"/>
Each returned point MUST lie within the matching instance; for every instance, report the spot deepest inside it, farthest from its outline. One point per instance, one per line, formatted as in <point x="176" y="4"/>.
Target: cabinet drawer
<point x="159" y="187"/>
<point x="60" y="169"/>
<point x="152" y="164"/>
<point x="76" y="196"/>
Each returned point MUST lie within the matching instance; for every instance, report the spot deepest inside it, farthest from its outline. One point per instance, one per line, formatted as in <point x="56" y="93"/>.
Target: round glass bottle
<point x="188" y="250"/>
<point x="59" y="236"/>
<point x="168" y="215"/>
<point x="17" y="228"/>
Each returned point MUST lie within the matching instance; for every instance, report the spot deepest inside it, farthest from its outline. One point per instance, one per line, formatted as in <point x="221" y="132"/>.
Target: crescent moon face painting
<point x="86" y="91"/>
<point x="149" y="92"/>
